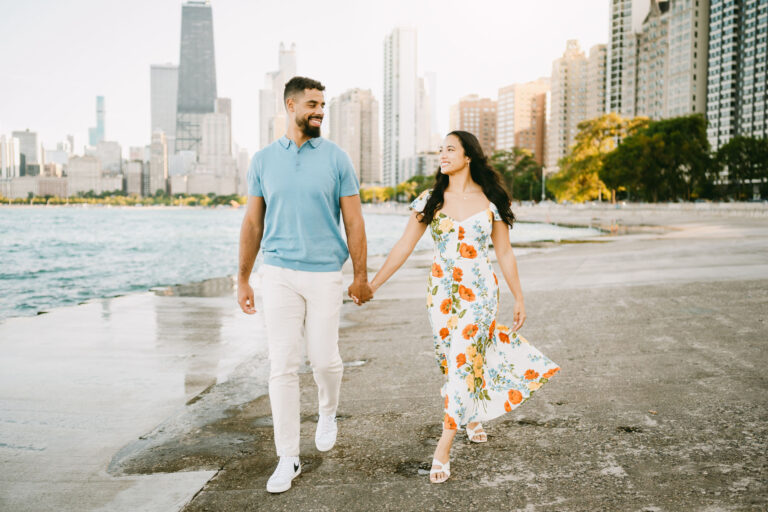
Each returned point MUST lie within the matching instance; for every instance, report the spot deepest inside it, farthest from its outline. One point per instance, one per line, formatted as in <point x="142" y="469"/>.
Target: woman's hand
<point x="519" y="315"/>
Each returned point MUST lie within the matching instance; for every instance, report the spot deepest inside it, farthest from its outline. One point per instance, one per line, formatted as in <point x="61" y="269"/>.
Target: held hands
<point x="245" y="298"/>
<point x="360" y="291"/>
<point x="519" y="314"/>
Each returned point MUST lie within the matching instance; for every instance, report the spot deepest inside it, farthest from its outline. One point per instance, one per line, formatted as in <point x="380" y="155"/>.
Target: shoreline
<point x="158" y="288"/>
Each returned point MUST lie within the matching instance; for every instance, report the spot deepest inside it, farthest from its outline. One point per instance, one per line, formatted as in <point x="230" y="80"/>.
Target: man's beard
<point x="307" y="129"/>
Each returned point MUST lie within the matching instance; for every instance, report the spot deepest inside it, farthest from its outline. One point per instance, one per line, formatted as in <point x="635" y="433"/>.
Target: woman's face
<point x="452" y="157"/>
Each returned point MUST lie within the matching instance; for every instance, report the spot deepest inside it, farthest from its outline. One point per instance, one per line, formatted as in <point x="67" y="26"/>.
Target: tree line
<point x="668" y="160"/>
<point x="626" y="158"/>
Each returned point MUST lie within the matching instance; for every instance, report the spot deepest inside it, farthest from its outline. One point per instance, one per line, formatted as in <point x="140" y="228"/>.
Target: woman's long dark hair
<point x="482" y="174"/>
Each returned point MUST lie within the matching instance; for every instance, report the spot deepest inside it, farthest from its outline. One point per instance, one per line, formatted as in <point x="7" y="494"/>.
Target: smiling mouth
<point x="316" y="120"/>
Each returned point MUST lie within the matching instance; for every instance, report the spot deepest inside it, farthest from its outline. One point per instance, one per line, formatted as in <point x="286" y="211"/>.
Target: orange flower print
<point x="467" y="251"/>
<point x="531" y="374"/>
<point x="469" y="331"/>
<point x="461" y="360"/>
<point x="503" y="337"/>
<point x="495" y="278"/>
<point x="551" y="372"/>
<point x="491" y="329"/>
<point x="466" y="293"/>
<point x="461" y="233"/>
<point x="436" y="270"/>
<point x="445" y="306"/>
<point x="444" y="332"/>
<point x="457" y="274"/>
<point x="449" y="423"/>
<point x="507" y="406"/>
<point x="446" y="401"/>
<point x="515" y="397"/>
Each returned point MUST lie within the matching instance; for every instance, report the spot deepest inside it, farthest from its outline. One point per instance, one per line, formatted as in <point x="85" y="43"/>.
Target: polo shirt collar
<point x="286" y="142"/>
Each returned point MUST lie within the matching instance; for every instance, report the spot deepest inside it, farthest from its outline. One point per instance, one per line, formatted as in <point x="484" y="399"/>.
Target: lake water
<point x="51" y="257"/>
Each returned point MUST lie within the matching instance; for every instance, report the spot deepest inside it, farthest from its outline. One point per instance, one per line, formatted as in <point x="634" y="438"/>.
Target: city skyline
<point x="117" y="66"/>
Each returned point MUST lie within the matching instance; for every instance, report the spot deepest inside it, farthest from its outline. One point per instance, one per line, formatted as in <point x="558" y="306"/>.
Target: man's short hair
<point x="298" y="84"/>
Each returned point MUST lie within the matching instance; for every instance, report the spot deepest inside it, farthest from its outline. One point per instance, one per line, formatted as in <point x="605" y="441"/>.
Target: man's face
<point x="307" y="110"/>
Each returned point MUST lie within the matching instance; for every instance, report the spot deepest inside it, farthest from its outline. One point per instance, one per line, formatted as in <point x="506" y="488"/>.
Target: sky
<point x="58" y="56"/>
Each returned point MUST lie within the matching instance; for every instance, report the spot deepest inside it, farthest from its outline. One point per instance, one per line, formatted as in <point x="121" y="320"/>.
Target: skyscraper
<point x="688" y="40"/>
<point x="271" y="107"/>
<point x="478" y="116"/>
<point x="354" y="126"/>
<point x="216" y="145"/>
<point x="568" y="102"/>
<point x="652" y="60"/>
<point x="424" y="126"/>
<point x="158" y="163"/>
<point x="10" y="157"/>
<point x="596" y="63"/>
<point x="164" y="86"/>
<point x="625" y="18"/>
<point x="97" y="133"/>
<point x="737" y="82"/>
<point x="30" y="152"/>
<point x="521" y="117"/>
<point x="110" y="154"/>
<point x="400" y="102"/>
<point x="197" y="73"/>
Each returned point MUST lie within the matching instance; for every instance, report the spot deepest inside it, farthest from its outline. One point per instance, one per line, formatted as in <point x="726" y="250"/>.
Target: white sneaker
<point x="287" y="469"/>
<point x="325" y="435"/>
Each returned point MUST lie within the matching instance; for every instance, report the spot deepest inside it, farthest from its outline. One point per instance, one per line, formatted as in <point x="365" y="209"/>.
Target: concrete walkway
<point x="660" y="404"/>
<point x="661" y="335"/>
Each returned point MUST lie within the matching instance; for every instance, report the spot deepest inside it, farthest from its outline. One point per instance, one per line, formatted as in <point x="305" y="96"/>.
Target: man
<point x="297" y="187"/>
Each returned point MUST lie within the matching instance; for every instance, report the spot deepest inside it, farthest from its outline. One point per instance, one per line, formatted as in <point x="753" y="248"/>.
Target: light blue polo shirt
<point x="301" y="188"/>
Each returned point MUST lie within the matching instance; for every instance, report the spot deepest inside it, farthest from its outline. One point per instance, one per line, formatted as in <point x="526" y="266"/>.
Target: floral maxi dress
<point x="490" y="369"/>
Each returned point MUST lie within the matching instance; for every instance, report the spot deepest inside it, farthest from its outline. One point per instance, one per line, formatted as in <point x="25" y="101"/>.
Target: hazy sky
<point x="59" y="55"/>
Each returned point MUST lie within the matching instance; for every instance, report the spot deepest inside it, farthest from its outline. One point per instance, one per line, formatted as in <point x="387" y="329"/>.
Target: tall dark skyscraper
<point x="197" y="73"/>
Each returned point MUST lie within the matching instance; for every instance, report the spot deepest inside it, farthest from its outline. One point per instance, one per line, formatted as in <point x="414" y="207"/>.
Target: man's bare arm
<point x="354" y="225"/>
<point x="250" y="241"/>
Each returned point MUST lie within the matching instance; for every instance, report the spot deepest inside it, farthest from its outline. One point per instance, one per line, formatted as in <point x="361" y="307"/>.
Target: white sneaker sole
<point x="325" y="448"/>
<point x="275" y="489"/>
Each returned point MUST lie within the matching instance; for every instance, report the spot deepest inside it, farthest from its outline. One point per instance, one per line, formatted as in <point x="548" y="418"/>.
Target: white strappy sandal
<point x="477" y="431"/>
<point x="439" y="467"/>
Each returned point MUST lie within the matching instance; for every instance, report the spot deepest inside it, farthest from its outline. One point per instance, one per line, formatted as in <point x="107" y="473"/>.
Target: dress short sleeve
<point x="495" y="212"/>
<point x="420" y="202"/>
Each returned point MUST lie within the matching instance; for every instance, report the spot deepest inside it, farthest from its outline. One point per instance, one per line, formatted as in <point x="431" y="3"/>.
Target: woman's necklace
<point x="465" y="193"/>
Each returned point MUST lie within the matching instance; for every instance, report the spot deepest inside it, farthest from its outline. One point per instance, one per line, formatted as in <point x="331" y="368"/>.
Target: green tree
<point x="406" y="191"/>
<point x="666" y="160"/>
<point x="745" y="159"/>
<point x="579" y="177"/>
<point x="422" y="183"/>
<point x="520" y="171"/>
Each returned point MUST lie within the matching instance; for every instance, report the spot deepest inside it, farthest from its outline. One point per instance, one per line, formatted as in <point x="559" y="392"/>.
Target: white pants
<point x="301" y="306"/>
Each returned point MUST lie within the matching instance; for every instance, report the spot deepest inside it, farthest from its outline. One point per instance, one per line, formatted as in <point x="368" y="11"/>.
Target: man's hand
<point x="245" y="298"/>
<point x="360" y="291"/>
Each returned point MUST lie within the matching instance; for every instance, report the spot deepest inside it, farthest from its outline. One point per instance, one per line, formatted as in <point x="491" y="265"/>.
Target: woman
<point x="489" y="368"/>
